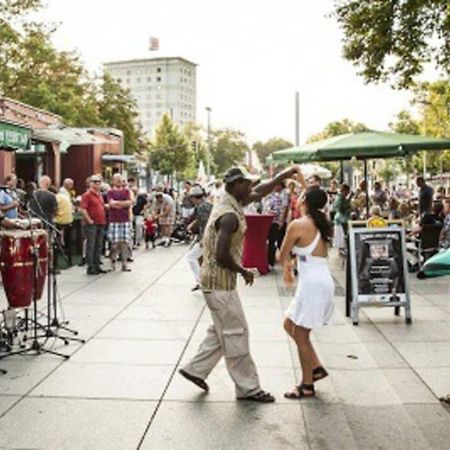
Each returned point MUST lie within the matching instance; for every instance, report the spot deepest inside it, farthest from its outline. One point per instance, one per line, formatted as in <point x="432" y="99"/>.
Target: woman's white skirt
<point x="312" y="305"/>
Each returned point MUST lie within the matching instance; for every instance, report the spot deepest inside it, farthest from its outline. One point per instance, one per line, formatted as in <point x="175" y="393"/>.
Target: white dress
<point x="312" y="305"/>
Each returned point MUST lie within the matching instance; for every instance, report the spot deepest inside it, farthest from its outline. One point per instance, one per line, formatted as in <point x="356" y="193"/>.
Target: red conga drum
<point x="16" y="265"/>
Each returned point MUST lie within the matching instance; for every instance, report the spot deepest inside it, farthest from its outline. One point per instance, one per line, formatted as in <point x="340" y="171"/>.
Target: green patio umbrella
<point x="366" y="145"/>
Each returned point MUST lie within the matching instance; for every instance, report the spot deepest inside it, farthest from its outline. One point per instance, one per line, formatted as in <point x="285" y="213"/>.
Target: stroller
<point x="180" y="231"/>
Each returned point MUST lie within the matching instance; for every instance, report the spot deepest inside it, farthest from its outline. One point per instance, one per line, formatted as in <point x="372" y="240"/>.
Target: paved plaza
<point x="121" y="389"/>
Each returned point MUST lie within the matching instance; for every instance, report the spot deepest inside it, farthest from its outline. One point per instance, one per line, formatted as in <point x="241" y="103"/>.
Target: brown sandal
<point x="319" y="373"/>
<point x="301" y="391"/>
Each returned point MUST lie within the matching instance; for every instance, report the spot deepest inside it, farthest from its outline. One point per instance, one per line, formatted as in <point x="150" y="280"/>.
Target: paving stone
<point x="368" y="388"/>
<point x="327" y="427"/>
<point x="437" y="379"/>
<point x="105" y="381"/>
<point x="134" y="352"/>
<point x="145" y="329"/>
<point x="6" y="401"/>
<point x="384" y="427"/>
<point x="410" y="387"/>
<point x="235" y="425"/>
<point x="75" y="424"/>
<point x="433" y="421"/>
<point x="353" y="356"/>
<point x="418" y="331"/>
<point x="24" y="374"/>
<point x="162" y="313"/>
<point x="425" y="354"/>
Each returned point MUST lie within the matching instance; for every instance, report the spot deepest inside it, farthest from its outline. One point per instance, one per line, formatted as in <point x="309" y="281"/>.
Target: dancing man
<point x="228" y="336"/>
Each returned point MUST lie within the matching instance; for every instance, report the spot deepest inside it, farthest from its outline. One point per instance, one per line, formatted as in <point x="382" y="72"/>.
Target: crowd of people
<point x="304" y="215"/>
<point x="116" y="217"/>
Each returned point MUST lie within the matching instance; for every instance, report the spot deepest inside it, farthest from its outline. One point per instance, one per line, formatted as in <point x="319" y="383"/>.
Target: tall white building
<point x="159" y="85"/>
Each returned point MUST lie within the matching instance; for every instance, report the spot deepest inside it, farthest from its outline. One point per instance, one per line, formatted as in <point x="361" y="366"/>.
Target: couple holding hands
<point x="308" y="238"/>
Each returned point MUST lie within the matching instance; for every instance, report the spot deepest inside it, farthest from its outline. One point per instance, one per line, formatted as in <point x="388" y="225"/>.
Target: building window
<point x="149" y="79"/>
<point x="158" y="79"/>
<point x="148" y="114"/>
<point x="158" y="96"/>
<point x="128" y="72"/>
<point x="138" y="80"/>
<point x="158" y="69"/>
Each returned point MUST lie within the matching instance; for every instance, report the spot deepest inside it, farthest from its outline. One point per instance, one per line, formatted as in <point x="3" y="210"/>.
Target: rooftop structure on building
<point x="159" y="86"/>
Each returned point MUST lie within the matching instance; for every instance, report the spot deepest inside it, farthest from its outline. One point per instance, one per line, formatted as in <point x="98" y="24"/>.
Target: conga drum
<point x="17" y="266"/>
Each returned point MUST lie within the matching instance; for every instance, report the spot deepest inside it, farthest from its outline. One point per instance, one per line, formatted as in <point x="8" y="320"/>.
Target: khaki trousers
<point x="228" y="336"/>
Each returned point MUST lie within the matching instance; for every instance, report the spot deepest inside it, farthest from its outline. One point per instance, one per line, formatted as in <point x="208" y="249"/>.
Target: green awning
<point x="366" y="145"/>
<point x="14" y="137"/>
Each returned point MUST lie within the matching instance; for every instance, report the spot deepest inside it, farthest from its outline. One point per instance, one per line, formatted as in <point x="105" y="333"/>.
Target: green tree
<point x="264" y="149"/>
<point x="228" y="149"/>
<point x="394" y="39"/>
<point x="117" y="109"/>
<point x="404" y="123"/>
<point x="337" y="128"/>
<point x="433" y="102"/>
<point x="170" y="152"/>
<point x="33" y="71"/>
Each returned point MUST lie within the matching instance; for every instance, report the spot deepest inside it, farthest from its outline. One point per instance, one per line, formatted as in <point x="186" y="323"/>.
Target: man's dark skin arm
<point x="263" y="189"/>
<point x="227" y="225"/>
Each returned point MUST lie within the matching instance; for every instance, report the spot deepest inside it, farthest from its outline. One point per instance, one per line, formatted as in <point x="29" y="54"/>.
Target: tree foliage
<point x="34" y="72"/>
<point x="228" y="149"/>
<point x="394" y="39"/>
<point x="337" y="128"/>
<point x="117" y="109"/>
<point x="170" y="152"/>
<point x="264" y="149"/>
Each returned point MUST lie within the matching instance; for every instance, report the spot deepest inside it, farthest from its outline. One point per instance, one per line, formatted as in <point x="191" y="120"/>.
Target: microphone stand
<point x="52" y="283"/>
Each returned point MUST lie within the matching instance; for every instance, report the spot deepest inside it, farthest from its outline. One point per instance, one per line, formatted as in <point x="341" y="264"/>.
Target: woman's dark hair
<point x="316" y="199"/>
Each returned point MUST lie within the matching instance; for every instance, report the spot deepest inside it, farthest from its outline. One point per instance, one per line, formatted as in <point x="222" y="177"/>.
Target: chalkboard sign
<point x="379" y="275"/>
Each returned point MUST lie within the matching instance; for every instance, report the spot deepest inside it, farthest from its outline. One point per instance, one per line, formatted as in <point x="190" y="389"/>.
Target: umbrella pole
<point x="367" y="189"/>
<point x="342" y="171"/>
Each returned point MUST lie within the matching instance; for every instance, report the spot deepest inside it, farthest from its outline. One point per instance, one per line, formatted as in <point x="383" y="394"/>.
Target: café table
<point x="255" y="243"/>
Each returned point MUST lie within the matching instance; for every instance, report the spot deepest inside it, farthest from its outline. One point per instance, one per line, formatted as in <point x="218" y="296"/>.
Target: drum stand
<point x="36" y="346"/>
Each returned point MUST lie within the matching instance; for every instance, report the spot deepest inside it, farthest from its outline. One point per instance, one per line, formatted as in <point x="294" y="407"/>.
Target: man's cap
<point x="196" y="191"/>
<point x="238" y="173"/>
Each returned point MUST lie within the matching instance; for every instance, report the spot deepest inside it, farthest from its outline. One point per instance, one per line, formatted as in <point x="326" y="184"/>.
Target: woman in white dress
<point x="312" y="306"/>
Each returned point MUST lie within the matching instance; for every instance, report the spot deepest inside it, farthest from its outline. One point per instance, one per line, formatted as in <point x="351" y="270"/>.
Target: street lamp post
<point x="208" y="154"/>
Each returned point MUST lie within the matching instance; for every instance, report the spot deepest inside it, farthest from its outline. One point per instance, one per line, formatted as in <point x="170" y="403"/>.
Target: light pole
<point x="208" y="154"/>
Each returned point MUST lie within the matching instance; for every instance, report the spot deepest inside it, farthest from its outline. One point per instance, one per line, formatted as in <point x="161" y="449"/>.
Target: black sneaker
<point x="195" y="288"/>
<point x="92" y="272"/>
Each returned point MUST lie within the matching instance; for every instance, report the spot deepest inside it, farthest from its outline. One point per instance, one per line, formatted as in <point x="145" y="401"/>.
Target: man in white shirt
<point x="66" y="188"/>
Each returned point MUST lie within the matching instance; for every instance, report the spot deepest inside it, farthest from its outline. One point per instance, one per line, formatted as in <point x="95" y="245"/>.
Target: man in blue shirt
<point x="8" y="198"/>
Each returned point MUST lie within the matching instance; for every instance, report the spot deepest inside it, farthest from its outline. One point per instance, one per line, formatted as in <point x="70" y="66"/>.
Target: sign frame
<point x="359" y="300"/>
